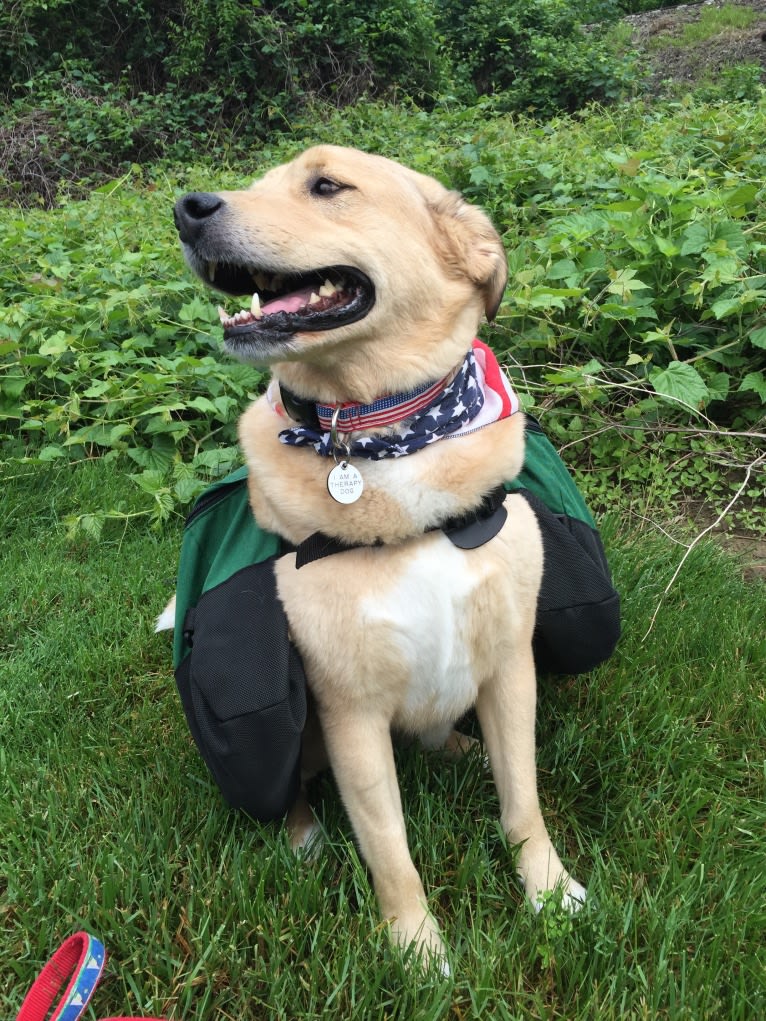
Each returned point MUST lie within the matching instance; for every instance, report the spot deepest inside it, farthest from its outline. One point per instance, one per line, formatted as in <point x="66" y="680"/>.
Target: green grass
<point x="652" y="776"/>
<point x="712" y="21"/>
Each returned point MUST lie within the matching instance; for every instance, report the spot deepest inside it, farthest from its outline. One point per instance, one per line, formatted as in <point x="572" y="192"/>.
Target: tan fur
<point x="409" y="634"/>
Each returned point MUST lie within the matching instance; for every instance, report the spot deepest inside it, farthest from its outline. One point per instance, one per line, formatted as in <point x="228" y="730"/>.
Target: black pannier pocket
<point x="578" y="610"/>
<point x="243" y="691"/>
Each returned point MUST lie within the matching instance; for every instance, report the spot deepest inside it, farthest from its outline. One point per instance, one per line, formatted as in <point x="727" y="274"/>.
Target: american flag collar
<point x="475" y="394"/>
<point x="354" y="417"/>
<point x="383" y="412"/>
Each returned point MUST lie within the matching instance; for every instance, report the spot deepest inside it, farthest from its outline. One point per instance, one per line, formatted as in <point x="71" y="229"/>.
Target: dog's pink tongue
<point x="288" y="302"/>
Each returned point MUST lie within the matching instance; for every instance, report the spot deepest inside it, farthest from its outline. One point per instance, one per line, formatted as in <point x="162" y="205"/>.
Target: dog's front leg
<point x="506" y="711"/>
<point x="362" y="759"/>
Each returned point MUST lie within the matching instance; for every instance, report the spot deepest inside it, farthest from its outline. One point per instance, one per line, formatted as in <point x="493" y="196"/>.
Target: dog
<point x="386" y="429"/>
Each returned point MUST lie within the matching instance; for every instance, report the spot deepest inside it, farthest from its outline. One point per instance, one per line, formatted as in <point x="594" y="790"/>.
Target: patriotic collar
<point x="476" y="394"/>
<point x="352" y="417"/>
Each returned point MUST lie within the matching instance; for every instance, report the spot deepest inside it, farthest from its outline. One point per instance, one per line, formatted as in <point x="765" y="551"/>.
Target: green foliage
<point x="738" y="82"/>
<point x="535" y="53"/>
<point x="637" y="242"/>
<point x="115" y="83"/>
<point x="75" y="130"/>
<point x="106" y="348"/>
<point x="268" y="57"/>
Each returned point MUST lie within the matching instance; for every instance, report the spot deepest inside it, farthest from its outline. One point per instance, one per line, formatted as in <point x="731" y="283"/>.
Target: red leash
<point x="81" y="960"/>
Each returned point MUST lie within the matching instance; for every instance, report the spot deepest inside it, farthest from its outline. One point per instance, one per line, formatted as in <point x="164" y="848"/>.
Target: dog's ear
<point x="472" y="246"/>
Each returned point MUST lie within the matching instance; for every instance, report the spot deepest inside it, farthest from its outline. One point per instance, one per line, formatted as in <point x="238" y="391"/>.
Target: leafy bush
<point x="76" y="130"/>
<point x="665" y="271"/>
<point x="535" y="53"/>
<point x="114" y="83"/>
<point x="254" y="59"/>
<point x="107" y="350"/>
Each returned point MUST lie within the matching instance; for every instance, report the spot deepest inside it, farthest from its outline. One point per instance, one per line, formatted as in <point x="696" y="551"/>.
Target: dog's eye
<point x="325" y="187"/>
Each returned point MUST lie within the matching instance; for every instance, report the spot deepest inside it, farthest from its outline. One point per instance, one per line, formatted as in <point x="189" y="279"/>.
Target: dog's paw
<point x="303" y="830"/>
<point x="569" y="896"/>
<point x="545" y="879"/>
<point x="308" y="842"/>
<point x="418" y="934"/>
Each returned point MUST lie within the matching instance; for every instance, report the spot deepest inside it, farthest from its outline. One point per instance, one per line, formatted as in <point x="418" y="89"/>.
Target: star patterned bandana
<point x="478" y="395"/>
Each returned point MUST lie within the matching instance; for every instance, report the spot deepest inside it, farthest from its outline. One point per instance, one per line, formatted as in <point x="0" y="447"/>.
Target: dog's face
<point x="341" y="247"/>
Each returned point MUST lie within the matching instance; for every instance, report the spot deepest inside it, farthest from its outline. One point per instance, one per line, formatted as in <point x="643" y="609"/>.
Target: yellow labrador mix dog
<point x="386" y="423"/>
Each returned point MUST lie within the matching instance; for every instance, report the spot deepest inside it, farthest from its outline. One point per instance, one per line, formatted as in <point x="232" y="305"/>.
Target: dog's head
<point x="341" y="247"/>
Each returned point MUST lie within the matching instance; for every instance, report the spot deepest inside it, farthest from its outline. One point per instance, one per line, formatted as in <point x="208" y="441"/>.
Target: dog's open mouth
<point x="282" y="304"/>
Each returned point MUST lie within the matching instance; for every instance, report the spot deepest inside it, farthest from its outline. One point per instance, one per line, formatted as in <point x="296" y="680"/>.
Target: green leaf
<point x="188" y="488"/>
<point x="680" y="382"/>
<point x="629" y="313"/>
<point x="195" y="310"/>
<point x="203" y="404"/>
<point x="624" y="283"/>
<point x="721" y="269"/>
<point x="732" y="235"/>
<point x="719" y="385"/>
<point x="726" y="307"/>
<point x="158" y="457"/>
<point x="51" y="452"/>
<point x="668" y="248"/>
<point x="55" y="345"/>
<point x="151" y="481"/>
<point x="742" y="196"/>
<point x="696" y="238"/>
<point x="562" y="269"/>
<point x="479" y="175"/>
<point x="758" y="337"/>
<point x="13" y="386"/>
<point x="219" y="461"/>
<point x="756" y="382"/>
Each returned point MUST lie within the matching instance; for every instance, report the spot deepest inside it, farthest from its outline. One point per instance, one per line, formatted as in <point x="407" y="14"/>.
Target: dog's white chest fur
<point x="412" y="631"/>
<point x="424" y="614"/>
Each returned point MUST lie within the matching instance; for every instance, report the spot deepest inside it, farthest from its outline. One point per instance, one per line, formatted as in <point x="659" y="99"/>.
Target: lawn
<point x="652" y="776"/>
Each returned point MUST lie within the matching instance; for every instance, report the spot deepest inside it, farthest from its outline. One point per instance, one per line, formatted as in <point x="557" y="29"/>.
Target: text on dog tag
<point x="345" y="483"/>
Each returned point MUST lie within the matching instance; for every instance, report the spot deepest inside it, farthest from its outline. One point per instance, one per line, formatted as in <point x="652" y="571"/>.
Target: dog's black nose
<point x="192" y="211"/>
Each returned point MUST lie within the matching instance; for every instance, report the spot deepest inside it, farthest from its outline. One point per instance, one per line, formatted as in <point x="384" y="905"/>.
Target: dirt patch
<point x="748" y="548"/>
<point x="656" y="35"/>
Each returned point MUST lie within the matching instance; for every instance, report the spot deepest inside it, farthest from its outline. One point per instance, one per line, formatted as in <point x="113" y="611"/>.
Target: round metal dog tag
<point x="345" y="483"/>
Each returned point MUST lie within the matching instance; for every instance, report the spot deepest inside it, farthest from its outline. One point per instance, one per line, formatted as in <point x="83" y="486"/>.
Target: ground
<point x="656" y="34"/>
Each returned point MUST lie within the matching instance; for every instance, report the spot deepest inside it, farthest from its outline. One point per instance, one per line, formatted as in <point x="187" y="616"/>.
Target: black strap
<point x="300" y="409"/>
<point x="467" y="531"/>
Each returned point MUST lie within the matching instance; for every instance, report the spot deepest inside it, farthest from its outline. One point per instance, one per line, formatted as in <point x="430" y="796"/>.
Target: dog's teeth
<point x="327" y="289"/>
<point x="223" y="315"/>
<point x="260" y="280"/>
<point x="314" y="298"/>
<point x="255" y="306"/>
<point x="212" y="266"/>
<point x="277" y="281"/>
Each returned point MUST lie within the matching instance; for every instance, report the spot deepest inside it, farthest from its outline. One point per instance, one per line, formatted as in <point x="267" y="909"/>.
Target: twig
<point x="654" y="524"/>
<point x="718" y="520"/>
